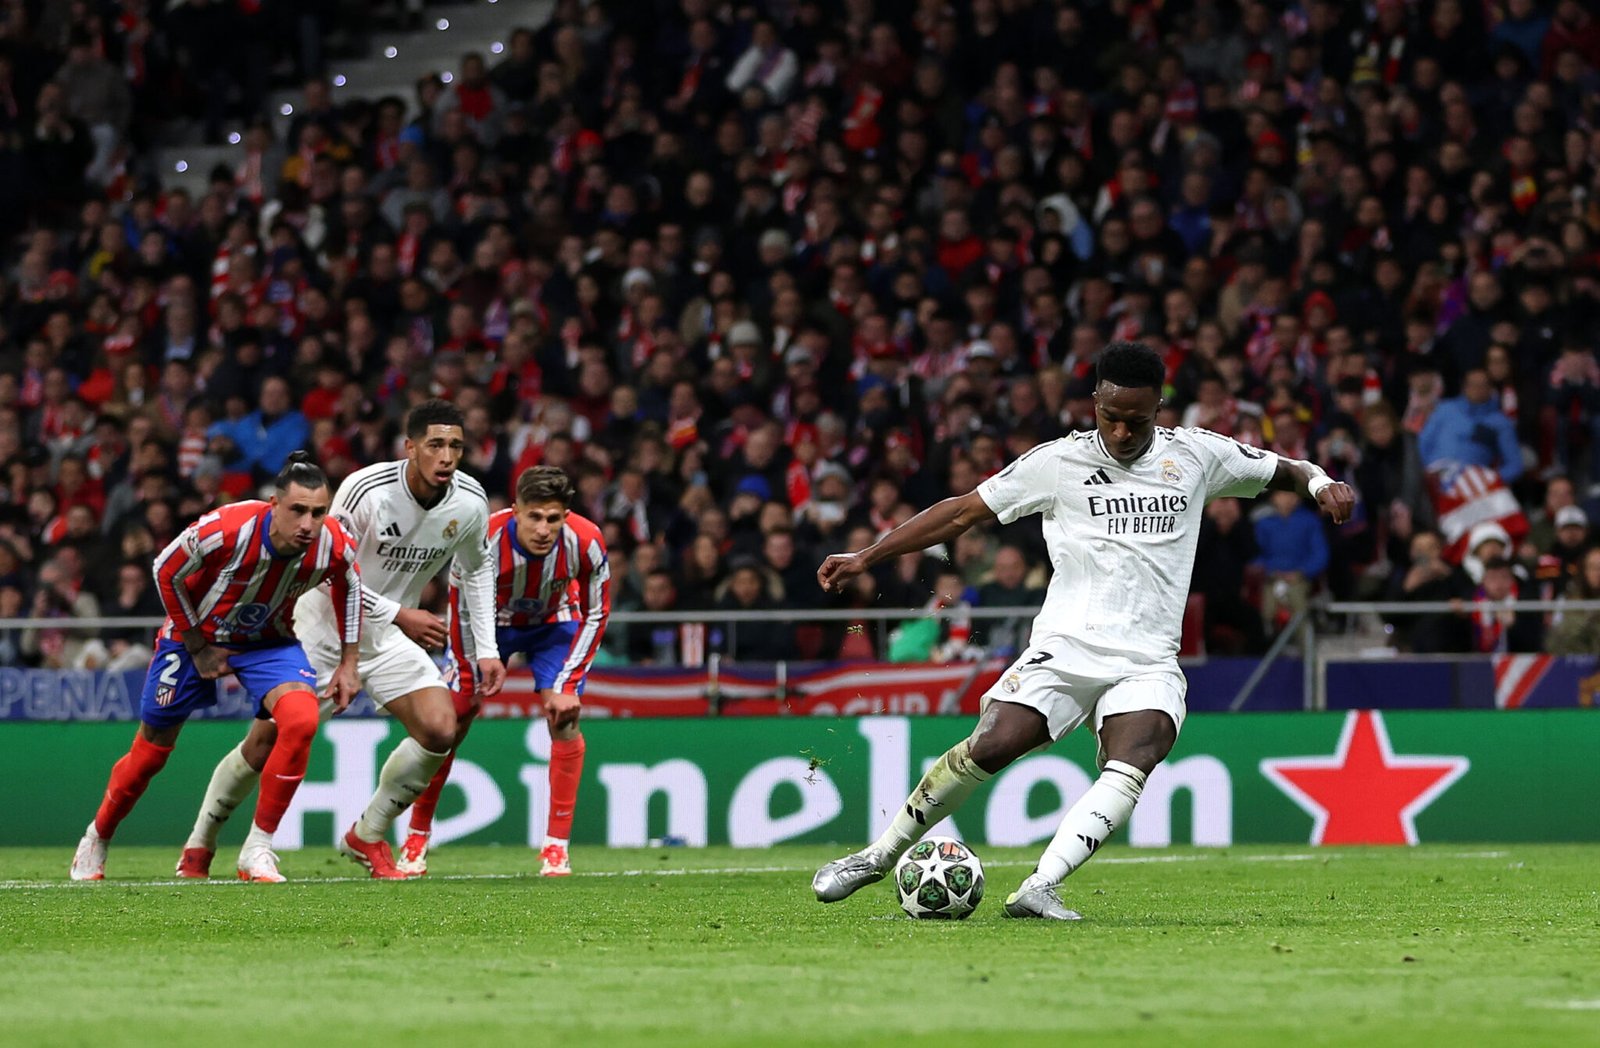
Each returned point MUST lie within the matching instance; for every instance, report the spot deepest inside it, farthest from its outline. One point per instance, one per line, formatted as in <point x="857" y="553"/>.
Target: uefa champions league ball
<point x="939" y="879"/>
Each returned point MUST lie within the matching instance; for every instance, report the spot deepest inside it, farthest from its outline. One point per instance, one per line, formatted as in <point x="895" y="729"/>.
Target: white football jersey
<point x="1122" y="538"/>
<point x="400" y="545"/>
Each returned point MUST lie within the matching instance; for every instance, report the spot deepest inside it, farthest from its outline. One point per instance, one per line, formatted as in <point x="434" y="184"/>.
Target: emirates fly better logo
<point x="1364" y="793"/>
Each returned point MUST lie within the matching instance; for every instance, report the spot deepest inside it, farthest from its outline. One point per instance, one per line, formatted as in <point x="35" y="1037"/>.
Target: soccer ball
<point x="940" y="879"/>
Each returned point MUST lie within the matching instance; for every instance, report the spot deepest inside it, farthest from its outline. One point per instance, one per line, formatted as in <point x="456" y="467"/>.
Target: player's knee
<point x="1006" y="732"/>
<point x="993" y="751"/>
<point x="166" y="736"/>
<point x="435" y="730"/>
<point x="1143" y="752"/>
<point x="296" y="715"/>
<point x="1143" y="757"/>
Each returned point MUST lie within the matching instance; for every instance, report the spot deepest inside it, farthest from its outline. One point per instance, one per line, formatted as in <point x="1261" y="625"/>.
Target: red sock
<point x="296" y="717"/>
<point x="566" y="768"/>
<point x="422" y="808"/>
<point x="129" y="777"/>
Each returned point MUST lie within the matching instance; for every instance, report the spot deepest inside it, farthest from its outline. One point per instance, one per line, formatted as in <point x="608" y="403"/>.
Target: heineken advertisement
<point x="1333" y="778"/>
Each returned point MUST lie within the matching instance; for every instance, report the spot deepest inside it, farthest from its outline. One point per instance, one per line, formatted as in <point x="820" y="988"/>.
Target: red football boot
<point x="376" y="857"/>
<point x="195" y="863"/>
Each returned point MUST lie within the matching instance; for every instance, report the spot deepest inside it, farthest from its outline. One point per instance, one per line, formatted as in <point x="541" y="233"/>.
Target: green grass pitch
<point x="1245" y="946"/>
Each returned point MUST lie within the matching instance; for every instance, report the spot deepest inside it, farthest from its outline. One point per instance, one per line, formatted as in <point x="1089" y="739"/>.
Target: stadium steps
<point x="478" y="26"/>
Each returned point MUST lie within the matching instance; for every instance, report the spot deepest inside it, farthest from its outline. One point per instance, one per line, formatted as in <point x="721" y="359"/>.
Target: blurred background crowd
<point x="768" y="277"/>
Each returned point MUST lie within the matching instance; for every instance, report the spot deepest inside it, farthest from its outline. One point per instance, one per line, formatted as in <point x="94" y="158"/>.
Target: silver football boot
<point x="842" y="878"/>
<point x="1042" y="902"/>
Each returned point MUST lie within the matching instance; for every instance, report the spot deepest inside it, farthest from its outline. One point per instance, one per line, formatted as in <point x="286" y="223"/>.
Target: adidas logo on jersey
<point x="392" y="531"/>
<point x="1098" y="477"/>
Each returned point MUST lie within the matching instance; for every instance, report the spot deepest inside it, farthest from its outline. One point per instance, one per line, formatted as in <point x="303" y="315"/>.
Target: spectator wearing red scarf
<point x="476" y="98"/>
<point x="1496" y="628"/>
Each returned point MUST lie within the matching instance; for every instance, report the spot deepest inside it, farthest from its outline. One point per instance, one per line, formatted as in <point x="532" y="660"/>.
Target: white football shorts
<point x="393" y="666"/>
<point x="1069" y="682"/>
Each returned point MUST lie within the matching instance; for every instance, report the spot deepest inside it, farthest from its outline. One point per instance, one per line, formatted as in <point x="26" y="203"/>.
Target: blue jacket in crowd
<point x="1472" y="434"/>
<point x="1293" y="543"/>
<point x="263" y="443"/>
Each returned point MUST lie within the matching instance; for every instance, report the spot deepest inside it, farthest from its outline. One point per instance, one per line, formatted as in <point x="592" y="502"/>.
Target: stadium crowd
<point x="768" y="277"/>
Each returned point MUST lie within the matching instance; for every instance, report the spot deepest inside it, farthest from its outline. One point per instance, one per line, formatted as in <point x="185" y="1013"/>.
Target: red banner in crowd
<point x="819" y="690"/>
<point x="1466" y="496"/>
<point x="865" y="689"/>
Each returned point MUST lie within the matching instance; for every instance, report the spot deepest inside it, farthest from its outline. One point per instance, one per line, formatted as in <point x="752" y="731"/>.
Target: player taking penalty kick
<point x="229" y="584"/>
<point x="408" y="520"/>
<point x="1122" y="507"/>
<point x="553" y="591"/>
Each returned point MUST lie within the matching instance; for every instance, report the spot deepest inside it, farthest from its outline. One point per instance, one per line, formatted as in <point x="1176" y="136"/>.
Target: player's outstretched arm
<point x="1307" y="479"/>
<point x="940" y="522"/>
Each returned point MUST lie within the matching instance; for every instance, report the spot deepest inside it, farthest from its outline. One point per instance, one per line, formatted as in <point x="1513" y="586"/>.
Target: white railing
<point x="1430" y="607"/>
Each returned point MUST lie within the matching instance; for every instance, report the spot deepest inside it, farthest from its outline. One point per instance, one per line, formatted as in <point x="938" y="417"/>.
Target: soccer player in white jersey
<point x="1122" y="507"/>
<point x="409" y="519"/>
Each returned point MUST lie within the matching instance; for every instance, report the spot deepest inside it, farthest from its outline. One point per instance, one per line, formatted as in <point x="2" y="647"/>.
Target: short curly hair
<point x="1131" y="365"/>
<point x="433" y="412"/>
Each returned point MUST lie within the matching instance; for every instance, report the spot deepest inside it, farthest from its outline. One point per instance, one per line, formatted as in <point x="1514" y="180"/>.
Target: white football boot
<point x="258" y="864"/>
<point x="89" y="861"/>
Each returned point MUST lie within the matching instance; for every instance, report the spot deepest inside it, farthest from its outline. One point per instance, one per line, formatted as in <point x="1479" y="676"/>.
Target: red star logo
<point x="1364" y="794"/>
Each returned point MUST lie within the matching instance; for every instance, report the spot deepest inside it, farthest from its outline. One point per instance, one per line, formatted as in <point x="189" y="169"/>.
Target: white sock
<point x="1086" y="826"/>
<point x="257" y="838"/>
<point x="230" y="784"/>
<point x="559" y="842"/>
<point x="945" y="788"/>
<point x="405" y="775"/>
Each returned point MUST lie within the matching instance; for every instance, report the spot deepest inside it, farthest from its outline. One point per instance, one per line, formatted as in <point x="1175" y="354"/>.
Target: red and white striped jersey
<point x="571" y="583"/>
<point x="223" y="577"/>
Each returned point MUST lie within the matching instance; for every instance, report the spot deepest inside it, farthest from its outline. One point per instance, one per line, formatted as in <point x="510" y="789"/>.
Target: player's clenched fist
<point x="1338" y="501"/>
<point x="840" y="569"/>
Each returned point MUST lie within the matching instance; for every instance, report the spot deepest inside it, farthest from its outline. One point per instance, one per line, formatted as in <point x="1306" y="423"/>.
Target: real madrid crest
<point x="1169" y="471"/>
<point x="450" y="529"/>
<point x="1011" y="683"/>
